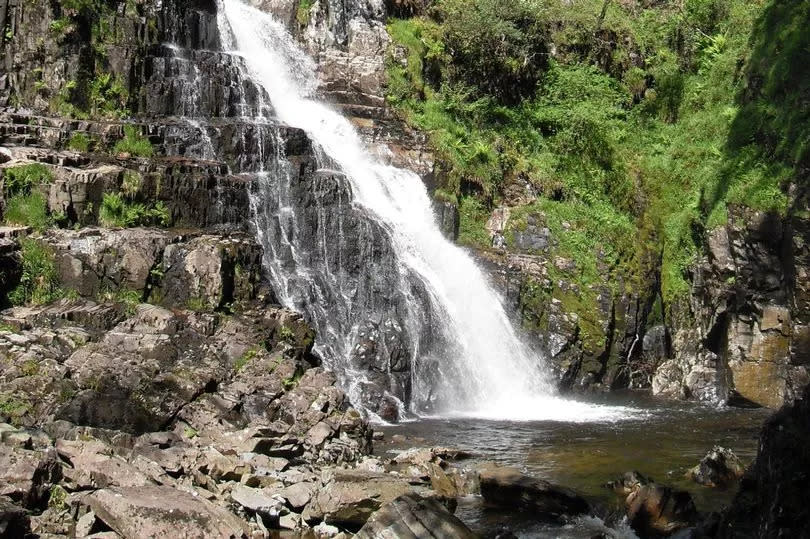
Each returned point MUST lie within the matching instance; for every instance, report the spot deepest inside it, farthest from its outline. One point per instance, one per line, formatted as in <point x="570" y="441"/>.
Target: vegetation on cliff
<point x="634" y="126"/>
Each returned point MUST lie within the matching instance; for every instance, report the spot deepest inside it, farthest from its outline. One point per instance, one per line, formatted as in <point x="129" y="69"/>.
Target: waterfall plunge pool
<point x="663" y="442"/>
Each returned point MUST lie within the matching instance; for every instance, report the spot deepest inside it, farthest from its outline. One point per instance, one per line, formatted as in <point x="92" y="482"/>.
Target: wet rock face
<point x="596" y="347"/>
<point x="738" y="337"/>
<point x="772" y="499"/>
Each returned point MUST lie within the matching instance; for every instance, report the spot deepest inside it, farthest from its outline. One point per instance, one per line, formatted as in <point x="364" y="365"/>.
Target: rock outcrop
<point x="742" y="335"/>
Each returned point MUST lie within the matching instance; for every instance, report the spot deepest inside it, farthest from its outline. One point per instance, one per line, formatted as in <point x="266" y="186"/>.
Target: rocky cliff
<point x="742" y="336"/>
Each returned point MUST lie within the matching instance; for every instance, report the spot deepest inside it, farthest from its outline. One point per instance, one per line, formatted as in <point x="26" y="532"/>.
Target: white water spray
<point x="501" y="377"/>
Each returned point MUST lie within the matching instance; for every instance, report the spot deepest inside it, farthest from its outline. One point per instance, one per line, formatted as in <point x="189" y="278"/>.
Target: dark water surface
<point x="663" y="442"/>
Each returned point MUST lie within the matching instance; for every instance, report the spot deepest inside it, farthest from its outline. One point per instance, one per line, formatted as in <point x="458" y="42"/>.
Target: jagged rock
<point x="719" y="467"/>
<point x="353" y="496"/>
<point x="655" y="510"/>
<point x="210" y="271"/>
<point x="13" y="519"/>
<point x="257" y="501"/>
<point x="91" y="466"/>
<point x="154" y="511"/>
<point x="734" y="337"/>
<point x="92" y="260"/>
<point x="27" y="476"/>
<point x="507" y="487"/>
<point x="298" y="495"/>
<point x="413" y="517"/>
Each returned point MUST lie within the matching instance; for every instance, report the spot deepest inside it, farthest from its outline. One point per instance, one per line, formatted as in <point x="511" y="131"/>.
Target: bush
<point x="498" y="47"/>
<point x="116" y="211"/>
<point x="28" y="210"/>
<point x="134" y="143"/>
<point x="79" y="142"/>
<point x="39" y="283"/>
<point x="20" y="179"/>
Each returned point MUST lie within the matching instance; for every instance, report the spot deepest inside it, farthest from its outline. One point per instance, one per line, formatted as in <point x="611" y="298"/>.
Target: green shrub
<point x="108" y="97"/>
<point x="39" y="283"/>
<point x="20" y="179"/>
<point x="116" y="211"/>
<point x="28" y="210"/>
<point x="302" y="13"/>
<point x="134" y="143"/>
<point x="129" y="298"/>
<point x="80" y="142"/>
<point x="500" y="48"/>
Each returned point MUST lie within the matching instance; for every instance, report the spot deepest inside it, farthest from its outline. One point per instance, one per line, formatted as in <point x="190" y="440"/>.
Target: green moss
<point x="473" y="216"/>
<point x="291" y="382"/>
<point x="246" y="358"/>
<point x="58" y="498"/>
<point x="12" y="408"/>
<point x="302" y="14"/>
<point x="197" y="304"/>
<point x="286" y="335"/>
<point x="130" y="299"/>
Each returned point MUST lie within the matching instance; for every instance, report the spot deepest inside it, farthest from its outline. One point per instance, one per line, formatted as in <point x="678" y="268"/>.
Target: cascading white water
<point x="496" y="374"/>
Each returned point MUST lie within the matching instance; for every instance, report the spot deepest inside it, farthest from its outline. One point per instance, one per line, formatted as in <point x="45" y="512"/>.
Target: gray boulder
<point x="154" y="511"/>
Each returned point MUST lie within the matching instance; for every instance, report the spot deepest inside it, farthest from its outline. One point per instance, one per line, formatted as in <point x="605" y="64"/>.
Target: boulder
<point x="157" y="511"/>
<point x="298" y="495"/>
<point x="90" y="465"/>
<point x="353" y="496"/>
<point x="656" y="510"/>
<point x="508" y="488"/>
<point x="413" y="517"/>
<point x="718" y="468"/>
<point x="256" y="501"/>
<point x="27" y="476"/>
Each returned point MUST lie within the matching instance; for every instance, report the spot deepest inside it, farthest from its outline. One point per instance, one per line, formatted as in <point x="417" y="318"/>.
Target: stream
<point x="662" y="443"/>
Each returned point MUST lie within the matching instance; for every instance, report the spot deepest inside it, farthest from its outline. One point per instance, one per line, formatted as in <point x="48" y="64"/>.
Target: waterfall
<point x="463" y="354"/>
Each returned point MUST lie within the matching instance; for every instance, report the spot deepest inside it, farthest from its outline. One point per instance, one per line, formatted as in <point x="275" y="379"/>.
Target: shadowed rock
<point x="508" y="488"/>
<point x="13" y="519"/>
<point x="655" y="510"/>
